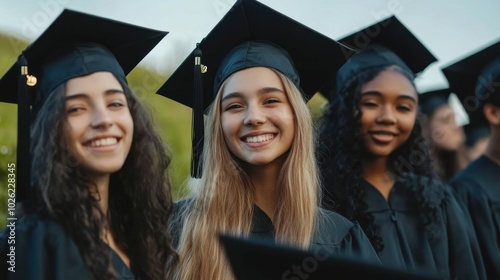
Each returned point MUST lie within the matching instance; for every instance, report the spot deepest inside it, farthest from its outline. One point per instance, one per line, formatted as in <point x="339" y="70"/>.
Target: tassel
<point x="198" y="118"/>
<point x="23" y="132"/>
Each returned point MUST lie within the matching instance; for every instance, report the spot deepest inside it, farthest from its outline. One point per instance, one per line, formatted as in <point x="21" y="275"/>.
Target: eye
<point x="233" y="107"/>
<point x="271" y="101"/>
<point x="369" y="104"/>
<point x="71" y="110"/>
<point x="405" y="108"/>
<point x="116" y="104"/>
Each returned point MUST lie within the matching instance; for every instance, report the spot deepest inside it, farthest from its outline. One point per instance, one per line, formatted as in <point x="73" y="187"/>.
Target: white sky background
<point x="451" y="29"/>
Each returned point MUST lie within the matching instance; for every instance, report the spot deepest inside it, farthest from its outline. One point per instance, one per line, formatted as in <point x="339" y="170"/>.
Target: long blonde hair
<point x="223" y="201"/>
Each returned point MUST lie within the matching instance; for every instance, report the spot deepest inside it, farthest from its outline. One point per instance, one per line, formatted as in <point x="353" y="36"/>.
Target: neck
<point x="265" y="180"/>
<point x="375" y="171"/>
<point x="493" y="148"/>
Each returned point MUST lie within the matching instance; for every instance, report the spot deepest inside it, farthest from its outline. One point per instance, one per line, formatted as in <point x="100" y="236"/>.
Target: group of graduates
<point x="360" y="183"/>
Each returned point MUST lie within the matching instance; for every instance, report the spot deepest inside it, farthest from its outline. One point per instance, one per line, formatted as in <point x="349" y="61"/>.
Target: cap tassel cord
<point x="198" y="119"/>
<point x="23" y="131"/>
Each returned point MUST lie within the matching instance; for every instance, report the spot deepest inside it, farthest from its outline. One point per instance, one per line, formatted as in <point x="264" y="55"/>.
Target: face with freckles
<point x="99" y="126"/>
<point x="388" y="105"/>
<point x="257" y="118"/>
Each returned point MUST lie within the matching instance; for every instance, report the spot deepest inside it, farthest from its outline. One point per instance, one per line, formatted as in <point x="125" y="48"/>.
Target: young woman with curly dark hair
<point x="100" y="198"/>
<point x="376" y="170"/>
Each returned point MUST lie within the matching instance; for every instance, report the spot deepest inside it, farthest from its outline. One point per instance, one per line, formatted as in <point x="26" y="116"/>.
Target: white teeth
<point x="260" y="138"/>
<point x="104" y="142"/>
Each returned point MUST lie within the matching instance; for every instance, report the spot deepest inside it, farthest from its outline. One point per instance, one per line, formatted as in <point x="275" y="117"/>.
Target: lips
<point x="102" y="141"/>
<point x="258" y="138"/>
<point x="382" y="136"/>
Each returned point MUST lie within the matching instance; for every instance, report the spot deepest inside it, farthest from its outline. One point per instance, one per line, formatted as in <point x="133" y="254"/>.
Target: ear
<point x="492" y="113"/>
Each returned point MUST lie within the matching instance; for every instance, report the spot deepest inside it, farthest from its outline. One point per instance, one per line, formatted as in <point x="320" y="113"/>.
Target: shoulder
<point x="44" y="244"/>
<point x="34" y="232"/>
<point x="338" y="235"/>
<point x="333" y="228"/>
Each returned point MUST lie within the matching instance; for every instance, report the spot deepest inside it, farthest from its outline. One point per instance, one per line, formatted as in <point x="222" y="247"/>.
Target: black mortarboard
<point x="75" y="44"/>
<point x="275" y="36"/>
<point x="476" y="78"/>
<point x="386" y="42"/>
<point x="252" y="258"/>
<point x="431" y="100"/>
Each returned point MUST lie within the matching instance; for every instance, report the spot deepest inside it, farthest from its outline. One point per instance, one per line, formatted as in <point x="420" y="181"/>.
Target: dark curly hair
<point x="340" y="150"/>
<point x="140" y="200"/>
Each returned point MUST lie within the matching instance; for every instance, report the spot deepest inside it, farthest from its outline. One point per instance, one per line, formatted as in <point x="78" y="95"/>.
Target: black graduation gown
<point x="453" y="254"/>
<point x="478" y="187"/>
<point x="334" y="234"/>
<point x="44" y="251"/>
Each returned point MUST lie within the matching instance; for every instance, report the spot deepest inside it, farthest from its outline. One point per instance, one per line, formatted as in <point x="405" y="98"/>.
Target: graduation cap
<point x="476" y="78"/>
<point x="431" y="100"/>
<point x="257" y="36"/>
<point x="74" y="45"/>
<point x="387" y="42"/>
<point x="252" y="258"/>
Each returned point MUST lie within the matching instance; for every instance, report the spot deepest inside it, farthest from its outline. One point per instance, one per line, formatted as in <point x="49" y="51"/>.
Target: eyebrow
<point x="85" y="96"/>
<point x="379" y="94"/>
<point x="261" y="91"/>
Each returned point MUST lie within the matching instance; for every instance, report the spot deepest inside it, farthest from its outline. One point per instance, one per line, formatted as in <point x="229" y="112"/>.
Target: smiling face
<point x="388" y="105"/>
<point x="257" y="118"/>
<point x="99" y="126"/>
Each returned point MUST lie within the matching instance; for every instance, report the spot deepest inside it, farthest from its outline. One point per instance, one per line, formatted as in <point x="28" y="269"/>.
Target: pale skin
<point x="259" y="127"/>
<point x="389" y="107"/>
<point x="99" y="133"/>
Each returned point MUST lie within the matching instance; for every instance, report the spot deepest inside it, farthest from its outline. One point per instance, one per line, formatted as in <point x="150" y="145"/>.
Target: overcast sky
<point x="450" y="29"/>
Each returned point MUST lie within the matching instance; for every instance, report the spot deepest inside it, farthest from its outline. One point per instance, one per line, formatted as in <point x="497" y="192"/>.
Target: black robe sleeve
<point x="481" y="210"/>
<point x="42" y="251"/>
<point x="338" y="235"/>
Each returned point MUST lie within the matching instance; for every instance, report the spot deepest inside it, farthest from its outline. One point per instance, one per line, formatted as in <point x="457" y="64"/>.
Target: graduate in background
<point x="259" y="177"/>
<point x="476" y="79"/>
<point x="375" y="164"/>
<point x="477" y="135"/>
<point x="446" y="138"/>
<point x="98" y="199"/>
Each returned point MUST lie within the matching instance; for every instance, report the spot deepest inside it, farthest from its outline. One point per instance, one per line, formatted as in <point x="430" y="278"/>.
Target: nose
<point x="386" y="116"/>
<point x="101" y="118"/>
<point x="254" y="116"/>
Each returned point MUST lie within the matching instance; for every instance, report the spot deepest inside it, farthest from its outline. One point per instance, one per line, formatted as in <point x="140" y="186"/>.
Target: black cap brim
<point x="316" y="56"/>
<point x="129" y="44"/>
<point x="261" y="259"/>
<point x="392" y="34"/>
<point x="464" y="76"/>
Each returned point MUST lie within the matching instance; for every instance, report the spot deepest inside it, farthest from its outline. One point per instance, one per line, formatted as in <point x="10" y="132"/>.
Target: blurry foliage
<point x="173" y="121"/>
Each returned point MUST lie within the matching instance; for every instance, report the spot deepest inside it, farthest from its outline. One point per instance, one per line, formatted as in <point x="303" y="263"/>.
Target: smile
<point x="382" y="136"/>
<point x="103" y="142"/>
<point x="259" y="138"/>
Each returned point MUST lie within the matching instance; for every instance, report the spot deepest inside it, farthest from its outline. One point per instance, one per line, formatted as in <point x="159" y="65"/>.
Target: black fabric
<point x="478" y="187"/>
<point x="334" y="233"/>
<point x="475" y="78"/>
<point x="259" y="258"/>
<point x="452" y="254"/>
<point x="315" y="56"/>
<point x="387" y="42"/>
<point x="128" y="43"/>
<point x="256" y="53"/>
<point x="44" y="251"/>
